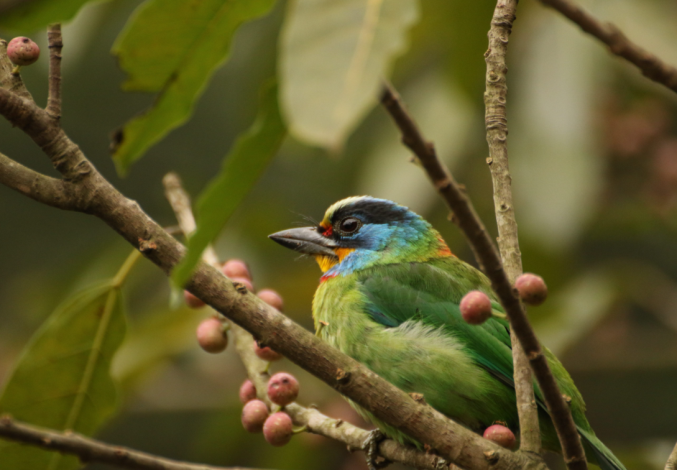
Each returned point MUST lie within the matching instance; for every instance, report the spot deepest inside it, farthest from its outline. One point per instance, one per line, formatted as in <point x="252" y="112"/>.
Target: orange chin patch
<point x="343" y="252"/>
<point x="326" y="262"/>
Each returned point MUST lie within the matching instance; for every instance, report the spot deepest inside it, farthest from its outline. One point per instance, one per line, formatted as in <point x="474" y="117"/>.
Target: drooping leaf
<point x="333" y="57"/>
<point x="62" y="379"/>
<point x="173" y="47"/>
<point x="242" y="167"/>
<point x="37" y="14"/>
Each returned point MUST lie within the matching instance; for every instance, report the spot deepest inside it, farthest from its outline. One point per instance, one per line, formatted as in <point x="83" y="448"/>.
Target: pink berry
<point x="22" y="51"/>
<point x="283" y="388"/>
<point x="475" y="307"/>
<point x="211" y="336"/>
<point x="192" y="301"/>
<point x="531" y="288"/>
<point x="236" y="268"/>
<point x="272" y="298"/>
<point x="266" y="353"/>
<point x="501" y="435"/>
<point x="254" y="414"/>
<point x="277" y="429"/>
<point x="247" y="391"/>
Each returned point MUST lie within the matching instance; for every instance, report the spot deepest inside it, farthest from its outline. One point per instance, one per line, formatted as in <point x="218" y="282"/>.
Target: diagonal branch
<point x="496" y="122"/>
<point x="91" y="450"/>
<point x="55" y="46"/>
<point x="650" y="65"/>
<point x="488" y="257"/>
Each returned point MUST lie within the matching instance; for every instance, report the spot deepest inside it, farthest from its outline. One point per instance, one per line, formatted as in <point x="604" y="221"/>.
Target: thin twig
<point x="8" y="80"/>
<point x="42" y="188"/>
<point x="649" y="64"/>
<point x="488" y="257"/>
<point x="91" y="450"/>
<point x="496" y="122"/>
<point x="672" y="460"/>
<point x="55" y="46"/>
<point x="180" y="201"/>
<point x="257" y="368"/>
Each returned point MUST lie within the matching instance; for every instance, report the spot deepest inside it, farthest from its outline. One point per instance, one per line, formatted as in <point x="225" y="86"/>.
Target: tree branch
<point x="65" y="155"/>
<point x="91" y="450"/>
<point x="257" y="368"/>
<point x="651" y="66"/>
<point x="55" y="45"/>
<point x="476" y="234"/>
<point x="672" y="460"/>
<point x="45" y="189"/>
<point x="8" y="80"/>
<point x="496" y="122"/>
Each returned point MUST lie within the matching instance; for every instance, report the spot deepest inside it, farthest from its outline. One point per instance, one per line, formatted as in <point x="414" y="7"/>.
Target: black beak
<point x="305" y="240"/>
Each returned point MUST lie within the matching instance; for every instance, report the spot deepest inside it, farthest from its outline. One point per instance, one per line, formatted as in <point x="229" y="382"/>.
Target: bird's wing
<point x="431" y="293"/>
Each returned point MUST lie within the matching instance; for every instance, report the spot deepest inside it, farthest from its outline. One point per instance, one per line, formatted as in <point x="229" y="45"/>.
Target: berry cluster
<point x="212" y="332"/>
<point x="283" y="388"/>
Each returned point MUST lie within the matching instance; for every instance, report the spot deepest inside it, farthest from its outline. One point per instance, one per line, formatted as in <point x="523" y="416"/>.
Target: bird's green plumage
<point x="392" y="303"/>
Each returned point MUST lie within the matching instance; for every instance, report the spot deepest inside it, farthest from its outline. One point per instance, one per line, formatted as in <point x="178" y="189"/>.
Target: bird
<point x="389" y="298"/>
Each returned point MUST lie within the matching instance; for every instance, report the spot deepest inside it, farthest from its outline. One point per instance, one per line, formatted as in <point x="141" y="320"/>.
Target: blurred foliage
<point x="594" y="159"/>
<point x="333" y="57"/>
<point x="28" y="16"/>
<point x="250" y="155"/>
<point x="173" y="47"/>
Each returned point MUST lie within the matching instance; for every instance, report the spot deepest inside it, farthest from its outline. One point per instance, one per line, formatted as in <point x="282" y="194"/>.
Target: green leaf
<point x="152" y="342"/>
<point x="333" y="57"/>
<point x="62" y="379"/>
<point x="37" y="14"/>
<point x="174" y="47"/>
<point x="241" y="169"/>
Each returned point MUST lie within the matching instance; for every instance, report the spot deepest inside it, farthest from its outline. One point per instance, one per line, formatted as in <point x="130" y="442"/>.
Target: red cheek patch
<point x="326" y="276"/>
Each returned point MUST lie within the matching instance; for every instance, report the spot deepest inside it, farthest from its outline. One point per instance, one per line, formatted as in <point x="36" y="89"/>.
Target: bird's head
<point x="360" y="232"/>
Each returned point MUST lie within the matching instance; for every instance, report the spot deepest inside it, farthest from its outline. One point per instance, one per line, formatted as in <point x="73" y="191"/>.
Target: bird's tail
<point x="605" y="458"/>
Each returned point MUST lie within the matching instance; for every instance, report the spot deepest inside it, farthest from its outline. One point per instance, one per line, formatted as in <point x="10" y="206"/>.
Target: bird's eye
<point x="350" y="225"/>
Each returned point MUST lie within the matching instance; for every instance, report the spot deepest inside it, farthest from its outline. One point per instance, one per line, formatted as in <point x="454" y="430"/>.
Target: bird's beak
<point x="306" y="240"/>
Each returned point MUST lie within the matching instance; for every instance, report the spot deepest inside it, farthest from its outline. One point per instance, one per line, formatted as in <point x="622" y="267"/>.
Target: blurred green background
<point x="593" y="149"/>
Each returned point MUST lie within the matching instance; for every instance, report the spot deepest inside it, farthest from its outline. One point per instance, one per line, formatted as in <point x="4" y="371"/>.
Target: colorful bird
<point x="389" y="298"/>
